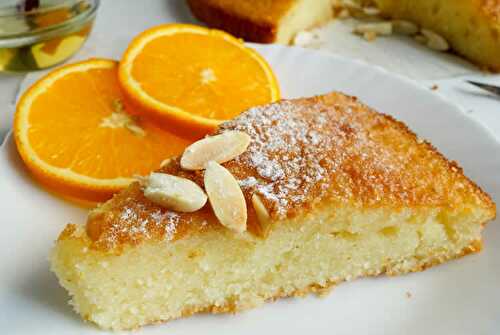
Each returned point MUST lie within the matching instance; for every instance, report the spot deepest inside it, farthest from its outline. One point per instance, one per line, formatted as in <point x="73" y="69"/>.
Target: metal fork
<point x="487" y="87"/>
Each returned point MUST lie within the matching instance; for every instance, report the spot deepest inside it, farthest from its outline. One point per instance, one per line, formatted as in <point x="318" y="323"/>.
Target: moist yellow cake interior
<point x="303" y="14"/>
<point x="471" y="27"/>
<point x="220" y="271"/>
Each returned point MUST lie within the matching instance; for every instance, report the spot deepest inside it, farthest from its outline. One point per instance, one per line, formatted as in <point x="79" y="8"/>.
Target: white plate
<point x="460" y="297"/>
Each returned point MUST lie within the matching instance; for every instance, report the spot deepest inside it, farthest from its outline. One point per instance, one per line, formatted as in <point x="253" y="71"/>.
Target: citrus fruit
<point x="73" y="132"/>
<point x="189" y="78"/>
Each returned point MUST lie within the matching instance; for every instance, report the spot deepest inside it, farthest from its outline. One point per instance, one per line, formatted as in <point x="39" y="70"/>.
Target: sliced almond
<point x="371" y="11"/>
<point x="226" y="197"/>
<point x="404" y="27"/>
<point x="219" y="148"/>
<point x="435" y="41"/>
<point x="262" y="214"/>
<point x="379" y="28"/>
<point x="303" y="38"/>
<point x="308" y="39"/>
<point x="175" y="193"/>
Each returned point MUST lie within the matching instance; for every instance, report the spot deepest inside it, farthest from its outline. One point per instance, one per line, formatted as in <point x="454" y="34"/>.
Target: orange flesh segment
<point x="197" y="79"/>
<point x="65" y="129"/>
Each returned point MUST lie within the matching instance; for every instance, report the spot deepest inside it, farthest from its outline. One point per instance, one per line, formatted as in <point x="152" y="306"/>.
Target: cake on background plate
<point x="471" y="27"/>
<point x="334" y="191"/>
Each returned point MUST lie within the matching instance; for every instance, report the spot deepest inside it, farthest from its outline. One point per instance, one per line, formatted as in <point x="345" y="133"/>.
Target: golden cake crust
<point x="304" y="153"/>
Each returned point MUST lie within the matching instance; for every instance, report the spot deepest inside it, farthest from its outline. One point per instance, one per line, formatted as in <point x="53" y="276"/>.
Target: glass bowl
<point x="36" y="34"/>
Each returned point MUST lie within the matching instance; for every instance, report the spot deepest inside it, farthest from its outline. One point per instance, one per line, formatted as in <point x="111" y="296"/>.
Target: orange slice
<point x="73" y="133"/>
<point x="189" y="78"/>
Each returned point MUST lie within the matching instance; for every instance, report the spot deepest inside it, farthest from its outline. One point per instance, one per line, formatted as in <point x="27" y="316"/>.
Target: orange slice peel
<point x="72" y="130"/>
<point x="189" y="79"/>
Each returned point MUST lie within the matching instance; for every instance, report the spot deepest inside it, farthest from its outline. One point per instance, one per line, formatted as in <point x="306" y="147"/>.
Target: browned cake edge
<point x="489" y="204"/>
<point x="260" y="31"/>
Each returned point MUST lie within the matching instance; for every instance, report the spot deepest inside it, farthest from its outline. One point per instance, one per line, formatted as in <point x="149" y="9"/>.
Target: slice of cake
<point x="333" y="190"/>
<point x="472" y="27"/>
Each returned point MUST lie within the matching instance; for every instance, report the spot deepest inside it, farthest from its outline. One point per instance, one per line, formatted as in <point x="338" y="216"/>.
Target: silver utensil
<point x="487" y="87"/>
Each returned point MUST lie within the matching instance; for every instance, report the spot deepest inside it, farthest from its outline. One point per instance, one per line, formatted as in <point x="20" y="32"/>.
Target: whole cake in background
<point x="471" y="27"/>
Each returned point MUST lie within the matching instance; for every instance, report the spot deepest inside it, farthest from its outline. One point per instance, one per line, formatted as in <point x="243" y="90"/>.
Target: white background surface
<point x="460" y="297"/>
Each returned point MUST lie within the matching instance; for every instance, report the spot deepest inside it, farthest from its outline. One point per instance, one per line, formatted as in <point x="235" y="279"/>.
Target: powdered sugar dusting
<point x="135" y="221"/>
<point x="304" y="150"/>
<point x="248" y="182"/>
<point x="301" y="152"/>
<point x="289" y="152"/>
<point x="172" y="219"/>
